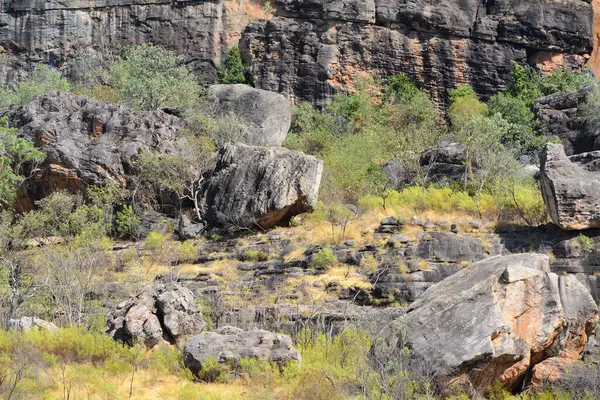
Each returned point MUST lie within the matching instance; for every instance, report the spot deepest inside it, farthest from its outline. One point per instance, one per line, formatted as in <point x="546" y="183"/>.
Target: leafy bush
<point x="14" y="154"/>
<point x="127" y="223"/>
<point x="587" y="243"/>
<point x="522" y="129"/>
<point x="151" y="77"/>
<point x="324" y="258"/>
<point x="232" y="68"/>
<point x="212" y="371"/>
<point x="42" y="80"/>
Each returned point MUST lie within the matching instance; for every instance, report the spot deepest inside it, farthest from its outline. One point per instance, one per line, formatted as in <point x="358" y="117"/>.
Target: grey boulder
<point x="260" y="187"/>
<point x="163" y="313"/>
<point x="87" y="141"/>
<point x="495" y="320"/>
<point x="186" y="229"/>
<point x="570" y="188"/>
<point x="229" y="345"/>
<point x="27" y="323"/>
<point x="268" y="114"/>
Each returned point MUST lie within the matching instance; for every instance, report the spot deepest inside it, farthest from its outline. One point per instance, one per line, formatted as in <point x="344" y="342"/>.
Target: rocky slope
<point x="313" y="47"/>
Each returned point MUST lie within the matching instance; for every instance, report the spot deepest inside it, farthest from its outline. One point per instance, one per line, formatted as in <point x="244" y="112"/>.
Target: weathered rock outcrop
<point x="259" y="186"/>
<point x="27" y="323"/>
<point x="570" y="188"/>
<point x="163" y="313"/>
<point x="314" y="48"/>
<point x="267" y="114"/>
<point x="86" y="141"/>
<point x="71" y="34"/>
<point x="498" y="318"/>
<point x="561" y="116"/>
<point x="229" y="344"/>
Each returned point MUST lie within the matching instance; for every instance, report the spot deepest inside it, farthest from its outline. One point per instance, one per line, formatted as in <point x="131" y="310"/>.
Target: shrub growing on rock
<point x="43" y="80"/>
<point x="151" y="77"/>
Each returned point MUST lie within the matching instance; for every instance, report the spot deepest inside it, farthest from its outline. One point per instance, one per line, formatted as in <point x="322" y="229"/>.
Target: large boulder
<point x="163" y="313"/>
<point x="268" y="114"/>
<point x="260" y="186"/>
<point x="87" y="142"/>
<point x="229" y="344"/>
<point x="561" y="115"/>
<point x="497" y="319"/>
<point x="570" y="188"/>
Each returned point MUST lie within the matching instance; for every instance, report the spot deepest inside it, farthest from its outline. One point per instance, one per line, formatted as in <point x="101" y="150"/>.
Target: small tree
<point x="151" y="77"/>
<point x="70" y="271"/>
<point x="232" y="68"/>
<point x="182" y="173"/>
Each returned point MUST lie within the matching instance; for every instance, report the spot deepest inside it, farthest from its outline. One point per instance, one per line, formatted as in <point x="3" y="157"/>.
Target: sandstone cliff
<point x="315" y="47"/>
<point x="312" y="48"/>
<point x="56" y="31"/>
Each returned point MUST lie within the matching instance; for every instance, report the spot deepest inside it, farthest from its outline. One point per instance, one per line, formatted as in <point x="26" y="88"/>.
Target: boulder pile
<point x="163" y="313"/>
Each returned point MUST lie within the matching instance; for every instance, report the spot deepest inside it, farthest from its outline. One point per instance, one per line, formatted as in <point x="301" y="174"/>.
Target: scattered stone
<point x="229" y="344"/>
<point x="396" y="240"/>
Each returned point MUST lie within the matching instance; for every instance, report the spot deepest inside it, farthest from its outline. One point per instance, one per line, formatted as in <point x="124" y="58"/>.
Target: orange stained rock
<point x="595" y="59"/>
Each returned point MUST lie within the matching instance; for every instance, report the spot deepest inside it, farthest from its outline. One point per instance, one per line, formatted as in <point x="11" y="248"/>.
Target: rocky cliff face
<point x="312" y="48"/>
<point x="56" y="31"/>
<point x="315" y="47"/>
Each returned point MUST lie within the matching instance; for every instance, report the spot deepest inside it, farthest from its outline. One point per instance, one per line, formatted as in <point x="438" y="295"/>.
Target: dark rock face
<point x="57" y="32"/>
<point x="229" y="344"/>
<point x="570" y="188"/>
<point x="498" y="318"/>
<point x="560" y="115"/>
<point x="163" y="313"/>
<point x="187" y="229"/>
<point x="315" y="48"/>
<point x="260" y="186"/>
<point x="267" y="114"/>
<point x="87" y="142"/>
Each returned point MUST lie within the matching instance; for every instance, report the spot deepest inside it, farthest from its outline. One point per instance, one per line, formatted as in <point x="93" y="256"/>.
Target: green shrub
<point x="126" y="222"/>
<point x="151" y="77"/>
<point x="14" y="154"/>
<point x="42" y="80"/>
<point x="232" y="68"/>
<point x="324" y="258"/>
<point x="255" y="255"/>
<point x="401" y="87"/>
<point x="213" y="371"/>
<point x="587" y="243"/>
